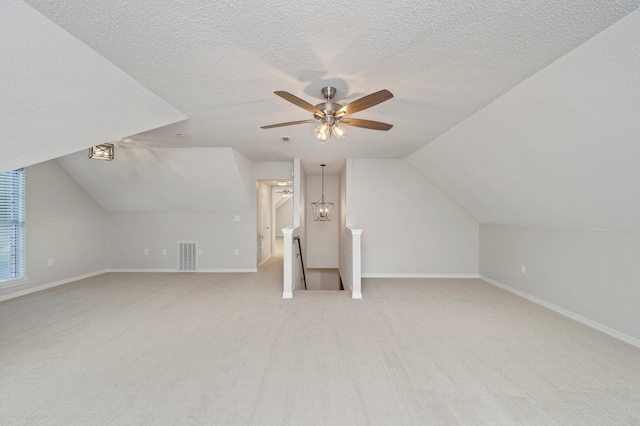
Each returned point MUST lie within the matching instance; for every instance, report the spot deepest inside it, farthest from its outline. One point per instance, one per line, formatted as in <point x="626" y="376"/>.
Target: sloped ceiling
<point x="220" y="61"/>
<point x="444" y="60"/>
<point x="560" y="149"/>
<point x="59" y="96"/>
<point x="165" y="179"/>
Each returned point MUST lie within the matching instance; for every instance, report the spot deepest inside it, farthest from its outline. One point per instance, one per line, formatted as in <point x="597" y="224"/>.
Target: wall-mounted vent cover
<point x="187" y="256"/>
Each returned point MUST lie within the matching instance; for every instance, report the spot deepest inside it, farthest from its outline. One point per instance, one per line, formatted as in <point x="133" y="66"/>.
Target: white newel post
<point x="355" y="259"/>
<point x="287" y="291"/>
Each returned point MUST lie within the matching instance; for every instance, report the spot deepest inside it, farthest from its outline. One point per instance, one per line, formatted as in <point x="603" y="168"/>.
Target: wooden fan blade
<point x="297" y="101"/>
<point x="365" y="102"/>
<point x="290" y="123"/>
<point x="367" y="124"/>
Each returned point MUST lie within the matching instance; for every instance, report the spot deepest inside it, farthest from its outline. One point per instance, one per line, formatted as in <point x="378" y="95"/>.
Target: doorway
<point x="274" y="212"/>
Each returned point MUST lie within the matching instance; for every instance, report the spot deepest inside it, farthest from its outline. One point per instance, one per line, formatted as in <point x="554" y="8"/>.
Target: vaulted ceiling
<point x="219" y="62"/>
<point x="465" y="76"/>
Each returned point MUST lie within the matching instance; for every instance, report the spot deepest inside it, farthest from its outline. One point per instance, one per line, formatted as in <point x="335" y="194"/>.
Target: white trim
<point x="356" y="295"/>
<point x="287" y="264"/>
<point x="50" y="285"/>
<point x="164" y="270"/>
<point x="586" y="321"/>
<point x="14" y="282"/>
<point x="412" y="275"/>
<point x="356" y="262"/>
<point x="143" y="270"/>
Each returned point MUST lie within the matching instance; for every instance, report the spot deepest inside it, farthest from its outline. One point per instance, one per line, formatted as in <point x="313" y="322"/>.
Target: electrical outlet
<point x="200" y="252"/>
<point x="164" y="252"/>
<point x="146" y="252"/>
<point x="236" y="252"/>
<point x="522" y="269"/>
<point x="237" y="218"/>
<point x="50" y="262"/>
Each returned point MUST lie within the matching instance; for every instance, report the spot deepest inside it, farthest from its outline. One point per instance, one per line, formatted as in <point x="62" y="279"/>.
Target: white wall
<point x="218" y="234"/>
<point x="323" y="237"/>
<point x="591" y="273"/>
<point x="299" y="222"/>
<point x="284" y="216"/>
<point x="273" y="170"/>
<point x="62" y="223"/>
<point x="409" y="226"/>
<point x="344" y="244"/>
<point x="560" y="149"/>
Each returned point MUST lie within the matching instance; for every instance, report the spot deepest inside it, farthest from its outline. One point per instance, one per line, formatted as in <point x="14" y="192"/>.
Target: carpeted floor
<point x="208" y="349"/>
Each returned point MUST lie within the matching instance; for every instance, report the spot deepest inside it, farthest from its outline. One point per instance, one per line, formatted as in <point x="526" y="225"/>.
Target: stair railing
<point x="299" y="254"/>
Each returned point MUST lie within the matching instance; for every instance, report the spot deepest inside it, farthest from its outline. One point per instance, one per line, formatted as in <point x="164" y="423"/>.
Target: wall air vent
<point x="187" y="256"/>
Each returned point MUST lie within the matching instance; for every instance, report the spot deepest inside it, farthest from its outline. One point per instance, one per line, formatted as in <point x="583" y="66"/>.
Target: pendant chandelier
<point x="322" y="209"/>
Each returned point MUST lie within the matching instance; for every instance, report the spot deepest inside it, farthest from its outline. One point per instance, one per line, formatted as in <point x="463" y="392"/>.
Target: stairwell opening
<point x="324" y="279"/>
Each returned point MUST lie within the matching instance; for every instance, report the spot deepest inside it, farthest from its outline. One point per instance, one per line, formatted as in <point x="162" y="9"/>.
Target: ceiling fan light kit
<point x="332" y="117"/>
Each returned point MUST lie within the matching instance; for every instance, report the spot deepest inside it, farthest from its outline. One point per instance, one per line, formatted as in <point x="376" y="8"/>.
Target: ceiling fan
<point x="331" y="115"/>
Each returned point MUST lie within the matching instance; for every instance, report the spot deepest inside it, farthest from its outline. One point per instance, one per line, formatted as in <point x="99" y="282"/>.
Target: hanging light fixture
<point x="322" y="209"/>
<point x="102" y="152"/>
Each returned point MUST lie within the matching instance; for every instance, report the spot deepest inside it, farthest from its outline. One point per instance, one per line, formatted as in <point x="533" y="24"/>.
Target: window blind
<point x="12" y="218"/>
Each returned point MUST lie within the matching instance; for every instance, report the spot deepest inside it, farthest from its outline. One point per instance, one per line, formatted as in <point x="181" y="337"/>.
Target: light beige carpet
<point x="204" y="349"/>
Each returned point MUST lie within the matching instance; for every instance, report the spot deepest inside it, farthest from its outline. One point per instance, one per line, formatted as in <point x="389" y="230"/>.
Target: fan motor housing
<point x="329" y="107"/>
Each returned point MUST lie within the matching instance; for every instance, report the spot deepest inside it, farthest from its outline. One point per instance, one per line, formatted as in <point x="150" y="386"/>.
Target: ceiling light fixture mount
<point x="104" y="151"/>
<point x="286" y="193"/>
<point x="332" y="117"/>
<point x="322" y="209"/>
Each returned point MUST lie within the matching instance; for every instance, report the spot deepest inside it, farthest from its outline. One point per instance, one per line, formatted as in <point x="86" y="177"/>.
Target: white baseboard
<point x="287" y="295"/>
<point x="164" y="270"/>
<point x="50" y="285"/>
<point x="412" y="275"/>
<point x="586" y="321"/>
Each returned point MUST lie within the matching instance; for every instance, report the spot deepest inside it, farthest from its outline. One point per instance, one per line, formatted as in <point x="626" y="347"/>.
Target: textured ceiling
<point x="219" y="62"/>
<point x="561" y="149"/>
<point x="156" y="179"/>
<point x="59" y="96"/>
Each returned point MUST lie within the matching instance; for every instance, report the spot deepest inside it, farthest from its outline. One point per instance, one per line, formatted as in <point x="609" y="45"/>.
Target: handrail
<point x="304" y="276"/>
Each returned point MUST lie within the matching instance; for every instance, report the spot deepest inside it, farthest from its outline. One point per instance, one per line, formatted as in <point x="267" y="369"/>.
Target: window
<point x="12" y="252"/>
